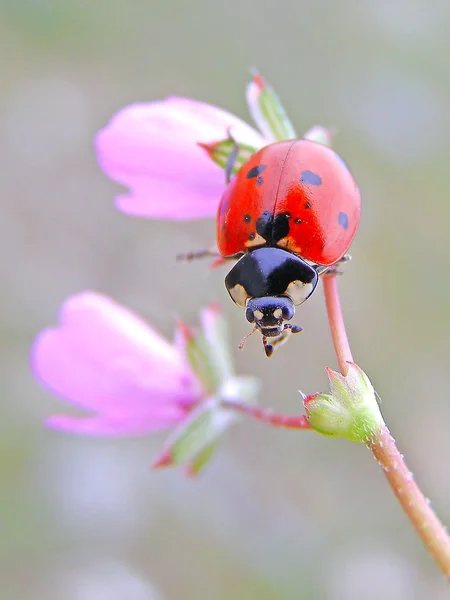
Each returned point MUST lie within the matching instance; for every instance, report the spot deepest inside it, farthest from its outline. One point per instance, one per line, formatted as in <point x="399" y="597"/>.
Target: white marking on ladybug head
<point x="299" y="291"/>
<point x="277" y="313"/>
<point x="239" y="295"/>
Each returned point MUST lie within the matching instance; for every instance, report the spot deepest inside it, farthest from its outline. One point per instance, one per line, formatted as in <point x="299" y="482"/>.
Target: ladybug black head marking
<point x="268" y="283"/>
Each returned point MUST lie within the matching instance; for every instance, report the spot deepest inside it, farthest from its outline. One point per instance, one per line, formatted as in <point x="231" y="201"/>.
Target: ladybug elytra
<point x="289" y="214"/>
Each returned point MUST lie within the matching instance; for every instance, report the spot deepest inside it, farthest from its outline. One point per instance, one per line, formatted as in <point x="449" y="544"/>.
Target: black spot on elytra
<point x="307" y="204"/>
<point x="343" y="220"/>
<point x="255" y="171"/>
<point x="247" y="218"/>
<point x="251" y="237"/>
<point x="298" y="221"/>
<point x="310" y="178"/>
<point x="273" y="229"/>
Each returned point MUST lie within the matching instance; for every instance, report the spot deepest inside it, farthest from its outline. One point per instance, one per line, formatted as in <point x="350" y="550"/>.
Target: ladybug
<point x="289" y="214"/>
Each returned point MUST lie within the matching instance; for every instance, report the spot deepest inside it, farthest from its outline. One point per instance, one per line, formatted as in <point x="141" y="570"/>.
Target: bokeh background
<point x="277" y="515"/>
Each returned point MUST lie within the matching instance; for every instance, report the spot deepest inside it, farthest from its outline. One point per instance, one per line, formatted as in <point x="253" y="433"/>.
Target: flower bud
<point x="350" y="410"/>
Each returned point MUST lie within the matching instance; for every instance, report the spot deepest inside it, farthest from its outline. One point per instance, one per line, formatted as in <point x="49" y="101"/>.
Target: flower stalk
<point x="336" y="321"/>
<point x="269" y="416"/>
<point x="417" y="508"/>
<point x="415" y="505"/>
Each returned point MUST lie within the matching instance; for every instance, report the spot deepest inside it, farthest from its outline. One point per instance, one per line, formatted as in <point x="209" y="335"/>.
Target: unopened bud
<point x="350" y="410"/>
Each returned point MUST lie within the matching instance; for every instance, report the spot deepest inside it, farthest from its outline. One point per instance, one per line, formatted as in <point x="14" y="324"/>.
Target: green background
<point x="277" y="515"/>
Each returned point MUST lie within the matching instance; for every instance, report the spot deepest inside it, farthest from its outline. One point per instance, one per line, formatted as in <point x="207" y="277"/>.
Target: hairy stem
<point x="417" y="508"/>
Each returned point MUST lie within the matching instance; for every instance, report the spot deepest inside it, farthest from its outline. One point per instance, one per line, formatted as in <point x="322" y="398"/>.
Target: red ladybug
<point x="291" y="212"/>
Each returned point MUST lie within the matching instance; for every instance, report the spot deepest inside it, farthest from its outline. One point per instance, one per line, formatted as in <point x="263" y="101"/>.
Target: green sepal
<point x="268" y="112"/>
<point x="208" y="351"/>
<point x="221" y="151"/>
<point x="192" y="438"/>
<point x="197" y="353"/>
<point x="202" y="458"/>
<point x="217" y="338"/>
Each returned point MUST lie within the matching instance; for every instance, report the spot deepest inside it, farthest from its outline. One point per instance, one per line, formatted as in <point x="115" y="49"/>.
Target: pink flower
<point x="153" y="149"/>
<point x="106" y="360"/>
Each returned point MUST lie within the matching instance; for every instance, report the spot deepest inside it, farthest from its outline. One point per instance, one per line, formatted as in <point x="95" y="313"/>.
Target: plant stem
<point x="270" y="417"/>
<point x="336" y="321"/>
<point x="416" y="506"/>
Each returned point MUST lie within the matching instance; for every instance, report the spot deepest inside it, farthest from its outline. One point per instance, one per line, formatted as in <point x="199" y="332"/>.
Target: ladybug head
<point x="269" y="282"/>
<point x="269" y="313"/>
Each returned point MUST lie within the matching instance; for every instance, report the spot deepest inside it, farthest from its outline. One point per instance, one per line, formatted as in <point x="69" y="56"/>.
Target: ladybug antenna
<point x="245" y="338"/>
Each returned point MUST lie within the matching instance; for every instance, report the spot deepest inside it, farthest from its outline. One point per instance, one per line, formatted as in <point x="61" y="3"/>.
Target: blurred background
<point x="277" y="515"/>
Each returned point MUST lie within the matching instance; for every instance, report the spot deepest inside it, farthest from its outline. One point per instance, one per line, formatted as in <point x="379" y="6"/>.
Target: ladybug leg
<point x="293" y="328"/>
<point x="333" y="270"/>
<point x="281" y="339"/>
<point x="218" y="261"/>
<point x="320" y="270"/>
<point x="268" y="348"/>
<point x="232" y="158"/>
<point x="206" y="253"/>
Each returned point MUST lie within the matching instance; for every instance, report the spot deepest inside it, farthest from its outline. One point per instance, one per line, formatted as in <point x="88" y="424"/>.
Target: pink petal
<point x="153" y="149"/>
<point x="105" y="359"/>
<point x="109" y="426"/>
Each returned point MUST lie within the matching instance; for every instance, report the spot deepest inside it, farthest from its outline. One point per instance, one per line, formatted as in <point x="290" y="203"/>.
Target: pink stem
<point x="336" y="321"/>
<point x="270" y="417"/>
<point x="417" y="508"/>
